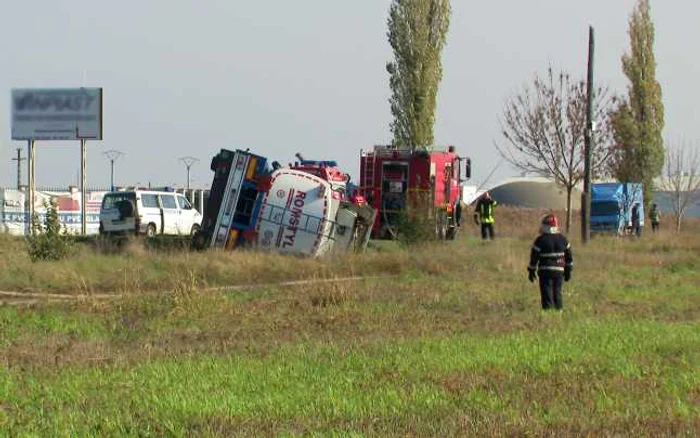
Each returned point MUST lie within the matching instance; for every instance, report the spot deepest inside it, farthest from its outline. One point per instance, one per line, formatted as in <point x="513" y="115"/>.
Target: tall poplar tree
<point x="417" y="34"/>
<point x="638" y="122"/>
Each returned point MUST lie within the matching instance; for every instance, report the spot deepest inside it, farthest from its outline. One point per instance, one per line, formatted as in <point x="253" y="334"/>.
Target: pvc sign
<point x="56" y="114"/>
<point x="14" y="217"/>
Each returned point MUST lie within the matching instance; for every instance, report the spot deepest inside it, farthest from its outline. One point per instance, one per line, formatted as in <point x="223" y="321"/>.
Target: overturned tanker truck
<point x="304" y="208"/>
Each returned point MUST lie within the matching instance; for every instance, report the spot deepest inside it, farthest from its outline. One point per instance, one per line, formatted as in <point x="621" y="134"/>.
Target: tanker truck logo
<point x="267" y="238"/>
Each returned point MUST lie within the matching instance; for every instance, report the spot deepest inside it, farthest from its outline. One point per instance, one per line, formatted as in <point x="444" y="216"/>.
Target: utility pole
<point x="112" y="155"/>
<point x="588" y="138"/>
<point x="19" y="160"/>
<point x="188" y="162"/>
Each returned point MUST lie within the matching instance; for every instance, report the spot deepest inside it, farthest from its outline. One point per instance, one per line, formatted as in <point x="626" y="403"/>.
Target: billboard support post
<point x="31" y="185"/>
<point x="83" y="194"/>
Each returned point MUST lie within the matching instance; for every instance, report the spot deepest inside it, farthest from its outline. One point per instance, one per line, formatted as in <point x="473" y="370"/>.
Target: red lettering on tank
<point x="296" y="210"/>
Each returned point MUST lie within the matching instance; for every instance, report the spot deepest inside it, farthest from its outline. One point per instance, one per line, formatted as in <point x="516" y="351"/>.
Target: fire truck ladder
<point x="368" y="180"/>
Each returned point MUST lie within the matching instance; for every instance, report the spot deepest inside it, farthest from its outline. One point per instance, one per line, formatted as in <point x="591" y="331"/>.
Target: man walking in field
<point x="552" y="260"/>
<point x="483" y="215"/>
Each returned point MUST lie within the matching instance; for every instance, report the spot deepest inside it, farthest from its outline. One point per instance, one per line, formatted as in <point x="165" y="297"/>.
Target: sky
<point x="187" y="78"/>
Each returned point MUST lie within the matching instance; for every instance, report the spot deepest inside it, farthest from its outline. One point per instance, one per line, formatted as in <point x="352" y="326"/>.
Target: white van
<point x="148" y="212"/>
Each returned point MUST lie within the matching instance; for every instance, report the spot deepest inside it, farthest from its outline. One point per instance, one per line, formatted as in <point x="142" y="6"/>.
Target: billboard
<point x="14" y="217"/>
<point x="56" y="113"/>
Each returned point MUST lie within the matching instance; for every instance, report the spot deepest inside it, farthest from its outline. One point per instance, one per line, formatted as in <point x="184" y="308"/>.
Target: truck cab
<point x="613" y="207"/>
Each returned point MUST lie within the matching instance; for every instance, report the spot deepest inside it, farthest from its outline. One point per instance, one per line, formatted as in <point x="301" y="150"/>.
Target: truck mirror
<point x="467" y="168"/>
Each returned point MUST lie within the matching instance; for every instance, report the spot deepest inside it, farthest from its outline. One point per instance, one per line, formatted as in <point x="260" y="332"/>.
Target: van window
<point x="149" y="201"/>
<point x="184" y="203"/>
<point x="168" y="201"/>
<point x="111" y="200"/>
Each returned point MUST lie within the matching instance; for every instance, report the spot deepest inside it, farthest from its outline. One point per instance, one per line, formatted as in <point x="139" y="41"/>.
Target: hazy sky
<point x="277" y="76"/>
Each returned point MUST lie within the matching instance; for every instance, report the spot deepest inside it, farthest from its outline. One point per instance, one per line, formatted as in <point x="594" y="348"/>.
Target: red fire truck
<point x="394" y="180"/>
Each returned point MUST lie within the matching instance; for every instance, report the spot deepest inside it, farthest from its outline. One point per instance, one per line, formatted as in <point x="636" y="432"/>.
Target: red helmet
<point x="550" y="220"/>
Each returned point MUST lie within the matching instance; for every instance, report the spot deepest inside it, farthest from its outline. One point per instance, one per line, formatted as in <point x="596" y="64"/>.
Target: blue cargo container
<point x="612" y="206"/>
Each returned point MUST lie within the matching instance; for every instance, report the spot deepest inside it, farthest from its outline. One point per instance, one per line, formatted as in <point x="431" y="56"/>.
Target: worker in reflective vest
<point x="483" y="215"/>
<point x="654" y="218"/>
<point x="552" y="260"/>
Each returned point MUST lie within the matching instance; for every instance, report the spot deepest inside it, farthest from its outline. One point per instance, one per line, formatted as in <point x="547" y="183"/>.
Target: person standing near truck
<point x="636" y="221"/>
<point x="483" y="215"/>
<point x="654" y="217"/>
<point x="552" y="261"/>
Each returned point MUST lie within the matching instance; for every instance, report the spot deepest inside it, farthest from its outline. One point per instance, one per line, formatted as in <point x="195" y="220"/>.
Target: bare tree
<point x="681" y="179"/>
<point x="544" y="127"/>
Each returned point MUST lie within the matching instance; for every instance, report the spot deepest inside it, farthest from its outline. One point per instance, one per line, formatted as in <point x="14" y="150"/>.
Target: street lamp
<point x="188" y="162"/>
<point x="112" y="155"/>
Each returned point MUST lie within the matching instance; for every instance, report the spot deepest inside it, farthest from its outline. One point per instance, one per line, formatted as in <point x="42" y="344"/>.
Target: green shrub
<point x="49" y="241"/>
<point x="419" y="222"/>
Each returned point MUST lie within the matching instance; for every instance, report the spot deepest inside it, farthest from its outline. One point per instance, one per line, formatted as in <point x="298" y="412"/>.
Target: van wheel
<point x="195" y="229"/>
<point x="198" y="241"/>
<point x="151" y="231"/>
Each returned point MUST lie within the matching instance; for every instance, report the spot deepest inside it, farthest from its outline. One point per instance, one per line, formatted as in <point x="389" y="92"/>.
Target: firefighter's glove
<point x="567" y="275"/>
<point x="531" y="275"/>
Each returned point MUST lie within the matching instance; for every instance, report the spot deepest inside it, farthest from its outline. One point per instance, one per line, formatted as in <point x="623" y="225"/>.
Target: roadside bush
<point x="49" y="241"/>
<point x="415" y="229"/>
<point x="417" y="223"/>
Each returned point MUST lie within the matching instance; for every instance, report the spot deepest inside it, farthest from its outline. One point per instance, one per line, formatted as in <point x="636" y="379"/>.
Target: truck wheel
<point x="194" y="230"/>
<point x="151" y="231"/>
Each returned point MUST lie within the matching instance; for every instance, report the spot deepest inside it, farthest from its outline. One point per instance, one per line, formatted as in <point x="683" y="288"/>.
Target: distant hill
<point x="533" y="193"/>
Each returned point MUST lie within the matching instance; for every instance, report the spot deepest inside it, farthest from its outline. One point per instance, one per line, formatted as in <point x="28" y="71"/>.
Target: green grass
<point x="454" y="345"/>
<point x="590" y="376"/>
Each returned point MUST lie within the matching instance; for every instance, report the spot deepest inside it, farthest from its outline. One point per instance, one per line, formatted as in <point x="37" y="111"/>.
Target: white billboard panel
<point x="14" y="217"/>
<point x="56" y="113"/>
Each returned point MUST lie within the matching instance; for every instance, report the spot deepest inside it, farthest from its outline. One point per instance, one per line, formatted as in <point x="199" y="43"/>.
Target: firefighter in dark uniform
<point x="552" y="260"/>
<point x="483" y="215"/>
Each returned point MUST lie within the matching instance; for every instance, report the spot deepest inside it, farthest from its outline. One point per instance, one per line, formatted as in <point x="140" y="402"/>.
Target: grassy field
<point x="442" y="340"/>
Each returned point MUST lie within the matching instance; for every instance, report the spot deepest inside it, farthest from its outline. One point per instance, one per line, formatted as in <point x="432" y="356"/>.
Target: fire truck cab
<point x="393" y="180"/>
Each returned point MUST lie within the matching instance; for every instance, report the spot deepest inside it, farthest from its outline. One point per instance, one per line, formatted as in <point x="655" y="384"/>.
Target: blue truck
<point x="614" y="206"/>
